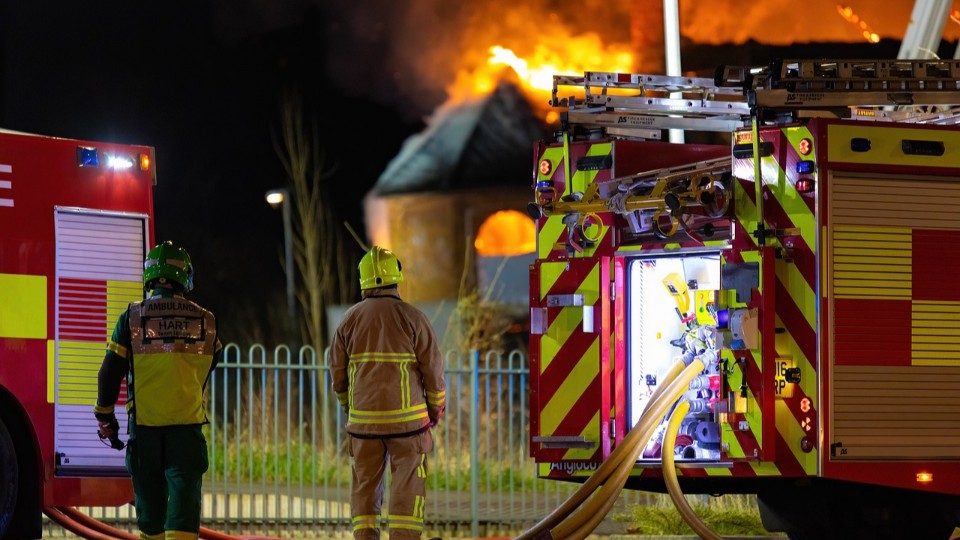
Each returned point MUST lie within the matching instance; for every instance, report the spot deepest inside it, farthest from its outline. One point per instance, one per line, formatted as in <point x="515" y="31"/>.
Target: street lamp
<point x="281" y="198"/>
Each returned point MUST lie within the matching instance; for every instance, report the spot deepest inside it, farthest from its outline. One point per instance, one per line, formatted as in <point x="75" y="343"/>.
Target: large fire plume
<point x="534" y="72"/>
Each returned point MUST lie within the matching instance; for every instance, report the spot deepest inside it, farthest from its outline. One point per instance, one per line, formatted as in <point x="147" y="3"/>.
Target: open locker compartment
<point x="672" y="313"/>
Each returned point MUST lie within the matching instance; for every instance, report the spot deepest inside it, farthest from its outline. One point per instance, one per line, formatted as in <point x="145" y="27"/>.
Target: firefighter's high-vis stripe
<point x="384" y="357"/>
<point x="437" y="399"/>
<point x="388" y="417"/>
<point x="118" y="349"/>
<point x="369" y="521"/>
<point x="409" y="523"/>
<point x="406" y="412"/>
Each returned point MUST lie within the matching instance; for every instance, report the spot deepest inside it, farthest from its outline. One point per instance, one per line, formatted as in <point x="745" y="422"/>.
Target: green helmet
<point x="379" y="268"/>
<point x="165" y="263"/>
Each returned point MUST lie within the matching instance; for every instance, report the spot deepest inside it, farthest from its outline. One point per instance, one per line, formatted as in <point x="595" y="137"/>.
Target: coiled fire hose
<point x="564" y="522"/>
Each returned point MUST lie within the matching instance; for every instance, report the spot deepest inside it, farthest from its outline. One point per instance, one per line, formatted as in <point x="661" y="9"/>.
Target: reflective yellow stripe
<point x="405" y="410"/>
<point x="413" y="523"/>
<point x="118" y="350"/>
<point x="368" y="521"/>
<point x="388" y="417"/>
<point x="103" y="409"/>
<point x="418" y="506"/>
<point x="437" y="399"/>
<point x="179" y="535"/>
<point x="404" y="388"/>
<point x="383" y="357"/>
<point x="353" y="383"/>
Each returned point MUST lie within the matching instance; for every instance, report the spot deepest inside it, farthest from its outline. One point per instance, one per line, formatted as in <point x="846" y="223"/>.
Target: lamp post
<point x="281" y="198"/>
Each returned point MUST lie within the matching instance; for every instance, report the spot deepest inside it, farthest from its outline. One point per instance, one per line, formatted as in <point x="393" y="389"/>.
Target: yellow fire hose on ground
<point x="601" y="474"/>
<point x="568" y="523"/>
<point x="670" y="475"/>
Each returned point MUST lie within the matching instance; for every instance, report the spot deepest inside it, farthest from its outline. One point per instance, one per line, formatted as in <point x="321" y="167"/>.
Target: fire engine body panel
<point x="820" y="300"/>
<point x="75" y="224"/>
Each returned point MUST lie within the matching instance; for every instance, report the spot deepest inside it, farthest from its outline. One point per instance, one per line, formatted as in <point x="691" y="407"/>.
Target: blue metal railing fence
<point x="279" y="463"/>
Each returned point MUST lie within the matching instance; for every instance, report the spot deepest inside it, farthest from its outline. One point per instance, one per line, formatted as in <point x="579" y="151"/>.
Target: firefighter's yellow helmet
<point x="379" y="268"/>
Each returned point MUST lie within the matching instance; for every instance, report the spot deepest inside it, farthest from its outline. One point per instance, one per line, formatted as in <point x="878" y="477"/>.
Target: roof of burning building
<point x="483" y="142"/>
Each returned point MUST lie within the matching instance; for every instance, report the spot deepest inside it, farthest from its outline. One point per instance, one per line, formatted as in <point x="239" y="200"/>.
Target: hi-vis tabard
<point x="173" y="342"/>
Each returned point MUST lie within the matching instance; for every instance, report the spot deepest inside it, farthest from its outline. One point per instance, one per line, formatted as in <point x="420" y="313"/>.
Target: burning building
<point x="452" y="202"/>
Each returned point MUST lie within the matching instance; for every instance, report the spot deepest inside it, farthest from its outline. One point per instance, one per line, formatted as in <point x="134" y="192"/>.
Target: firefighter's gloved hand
<point x="107" y="425"/>
<point x="109" y="429"/>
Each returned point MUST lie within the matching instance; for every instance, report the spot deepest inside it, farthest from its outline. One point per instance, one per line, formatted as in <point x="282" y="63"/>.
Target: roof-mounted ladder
<point x="636" y="105"/>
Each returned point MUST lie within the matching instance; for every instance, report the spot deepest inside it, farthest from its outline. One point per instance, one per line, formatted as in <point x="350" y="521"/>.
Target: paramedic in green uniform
<point x="166" y="347"/>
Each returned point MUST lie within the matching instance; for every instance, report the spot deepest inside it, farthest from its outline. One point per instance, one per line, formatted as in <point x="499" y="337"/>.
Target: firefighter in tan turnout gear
<point x="388" y="375"/>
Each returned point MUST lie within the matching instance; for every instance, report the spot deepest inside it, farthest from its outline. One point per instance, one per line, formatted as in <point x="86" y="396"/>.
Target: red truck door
<point x="570" y="359"/>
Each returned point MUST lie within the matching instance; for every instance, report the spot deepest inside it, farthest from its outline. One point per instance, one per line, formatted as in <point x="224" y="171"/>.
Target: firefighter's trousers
<point x="167" y="465"/>
<point x="408" y="469"/>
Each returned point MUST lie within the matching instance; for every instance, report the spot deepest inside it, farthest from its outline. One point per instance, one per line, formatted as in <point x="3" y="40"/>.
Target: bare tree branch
<point x="325" y="275"/>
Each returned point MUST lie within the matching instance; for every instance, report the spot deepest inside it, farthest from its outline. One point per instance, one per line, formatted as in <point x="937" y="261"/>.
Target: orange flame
<point x="848" y="14"/>
<point x="534" y="72"/>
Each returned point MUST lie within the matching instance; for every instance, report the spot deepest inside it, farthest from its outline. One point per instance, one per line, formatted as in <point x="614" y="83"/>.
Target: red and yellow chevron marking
<point x="557" y="171"/>
<point x="582" y="179"/>
<point x="794" y="296"/>
<point x="571" y="361"/>
<point x="553" y="155"/>
<point x="551" y="231"/>
<point x="552" y="237"/>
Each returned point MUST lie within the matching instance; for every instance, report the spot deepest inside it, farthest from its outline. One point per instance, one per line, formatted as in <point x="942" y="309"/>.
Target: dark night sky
<point x="200" y="81"/>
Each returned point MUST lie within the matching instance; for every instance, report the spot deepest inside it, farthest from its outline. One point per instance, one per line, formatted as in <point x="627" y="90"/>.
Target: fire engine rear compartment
<point x="657" y="307"/>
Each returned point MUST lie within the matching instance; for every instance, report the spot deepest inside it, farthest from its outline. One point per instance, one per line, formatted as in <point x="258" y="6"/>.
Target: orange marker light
<point x="924" y="477"/>
<point x="545" y="167"/>
<point x="805" y="146"/>
<point x="144" y="162"/>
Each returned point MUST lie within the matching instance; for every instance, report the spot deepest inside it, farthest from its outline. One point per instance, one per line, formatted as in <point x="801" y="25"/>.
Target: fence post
<point x="474" y="443"/>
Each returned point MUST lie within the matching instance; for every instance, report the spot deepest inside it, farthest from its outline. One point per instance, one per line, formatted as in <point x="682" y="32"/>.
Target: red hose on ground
<point x="75" y="527"/>
<point x="85" y="526"/>
<point x="210" y="534"/>
<point x="96" y="524"/>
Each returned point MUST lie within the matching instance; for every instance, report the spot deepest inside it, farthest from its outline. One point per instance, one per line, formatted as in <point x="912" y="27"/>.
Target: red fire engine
<point x="806" y="260"/>
<point x="75" y="223"/>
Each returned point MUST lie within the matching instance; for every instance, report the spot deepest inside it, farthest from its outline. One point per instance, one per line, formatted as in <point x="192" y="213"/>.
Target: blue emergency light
<point x="805" y="166"/>
<point x="87" y="156"/>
